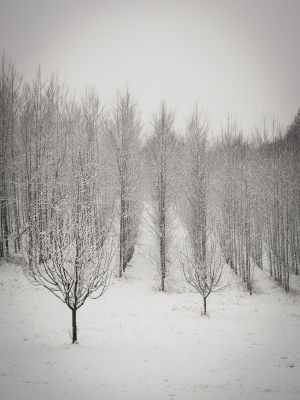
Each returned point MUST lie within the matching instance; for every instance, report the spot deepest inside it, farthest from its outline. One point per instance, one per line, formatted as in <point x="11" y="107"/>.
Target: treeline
<point x="260" y="194"/>
<point x="77" y="166"/>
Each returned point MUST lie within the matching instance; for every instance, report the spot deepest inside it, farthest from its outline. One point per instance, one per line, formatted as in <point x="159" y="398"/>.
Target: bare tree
<point x="196" y="182"/>
<point x="39" y="154"/>
<point x="160" y="151"/>
<point x="74" y="248"/>
<point x="124" y="130"/>
<point x="205" y="276"/>
<point x="74" y="265"/>
<point x="9" y="105"/>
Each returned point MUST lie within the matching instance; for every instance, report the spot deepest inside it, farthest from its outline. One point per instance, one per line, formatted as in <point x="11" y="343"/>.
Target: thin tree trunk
<point x="162" y="212"/>
<point x="122" y="211"/>
<point x="163" y="241"/>
<point x="74" y="326"/>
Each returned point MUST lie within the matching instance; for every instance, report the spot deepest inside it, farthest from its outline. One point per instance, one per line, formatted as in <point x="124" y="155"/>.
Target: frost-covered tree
<point x="74" y="263"/>
<point x="124" y="130"/>
<point x="73" y="250"/>
<point x="205" y="276"/>
<point x="161" y="180"/>
<point x="195" y="183"/>
<point x="9" y="196"/>
<point x="42" y="150"/>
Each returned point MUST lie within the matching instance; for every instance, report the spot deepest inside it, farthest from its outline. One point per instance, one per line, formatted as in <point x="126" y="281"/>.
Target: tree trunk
<point x="121" y="247"/>
<point x="162" y="283"/>
<point x="122" y="227"/>
<point x="162" y="248"/>
<point x="74" y="326"/>
<point x="204" y="305"/>
<point x="4" y="224"/>
<point x="162" y="219"/>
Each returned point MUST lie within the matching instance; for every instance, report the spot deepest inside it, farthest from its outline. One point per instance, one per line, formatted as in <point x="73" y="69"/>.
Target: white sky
<point x="241" y="57"/>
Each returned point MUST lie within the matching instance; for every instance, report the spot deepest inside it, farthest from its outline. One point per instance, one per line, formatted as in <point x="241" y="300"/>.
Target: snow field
<point x="137" y="343"/>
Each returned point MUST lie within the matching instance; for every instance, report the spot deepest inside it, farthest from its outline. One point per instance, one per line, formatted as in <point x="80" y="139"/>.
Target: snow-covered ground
<point x="138" y="343"/>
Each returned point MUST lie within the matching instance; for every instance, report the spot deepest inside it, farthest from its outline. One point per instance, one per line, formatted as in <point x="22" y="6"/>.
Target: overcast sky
<point x="241" y="57"/>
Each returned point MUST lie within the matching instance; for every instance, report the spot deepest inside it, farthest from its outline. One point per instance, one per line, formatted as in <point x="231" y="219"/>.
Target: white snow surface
<point x="138" y="343"/>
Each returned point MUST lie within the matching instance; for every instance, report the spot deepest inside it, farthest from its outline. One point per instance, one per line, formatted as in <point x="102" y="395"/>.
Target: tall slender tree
<point x="196" y="183"/>
<point x="160" y="151"/>
<point x="9" y="106"/>
<point x="124" y="130"/>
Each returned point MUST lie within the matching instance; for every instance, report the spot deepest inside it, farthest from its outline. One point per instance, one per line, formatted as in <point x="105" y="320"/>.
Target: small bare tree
<point x="205" y="276"/>
<point x="73" y="265"/>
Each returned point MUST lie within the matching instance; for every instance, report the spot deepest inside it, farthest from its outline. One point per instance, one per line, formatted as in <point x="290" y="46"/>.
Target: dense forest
<point x="76" y="173"/>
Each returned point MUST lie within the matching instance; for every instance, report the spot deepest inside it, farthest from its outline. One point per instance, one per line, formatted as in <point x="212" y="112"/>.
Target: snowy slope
<point x="137" y="343"/>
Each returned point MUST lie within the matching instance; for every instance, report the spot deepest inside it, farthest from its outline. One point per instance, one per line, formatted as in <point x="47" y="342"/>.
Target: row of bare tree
<point x="73" y="177"/>
<point x="242" y="192"/>
<point x="260" y="186"/>
<point x="64" y="166"/>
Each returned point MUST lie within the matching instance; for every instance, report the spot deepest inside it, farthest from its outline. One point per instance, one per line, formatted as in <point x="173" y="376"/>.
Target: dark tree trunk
<point x="204" y="305"/>
<point x="162" y="283"/>
<point x="122" y="230"/>
<point x="74" y="326"/>
<point x="162" y="222"/>
<point x="163" y="251"/>
<point x="5" y="228"/>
